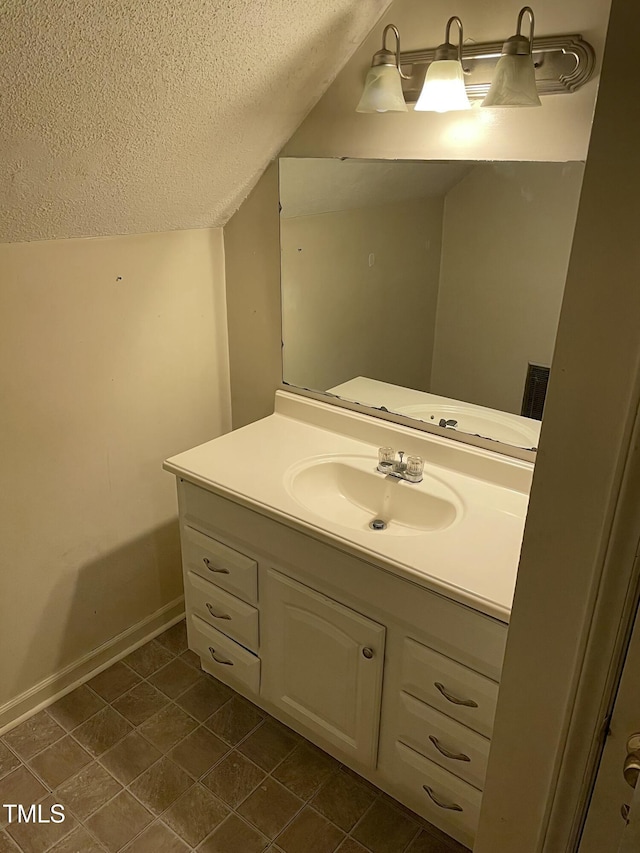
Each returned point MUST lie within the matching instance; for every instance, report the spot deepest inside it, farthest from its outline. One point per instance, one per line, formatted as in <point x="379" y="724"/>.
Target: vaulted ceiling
<point x="130" y="116"/>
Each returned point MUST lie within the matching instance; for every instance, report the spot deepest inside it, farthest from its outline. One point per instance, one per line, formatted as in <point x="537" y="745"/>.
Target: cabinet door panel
<point x="322" y="664"/>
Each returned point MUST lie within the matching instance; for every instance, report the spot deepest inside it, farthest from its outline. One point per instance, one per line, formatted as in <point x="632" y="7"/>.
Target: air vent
<point x="535" y="391"/>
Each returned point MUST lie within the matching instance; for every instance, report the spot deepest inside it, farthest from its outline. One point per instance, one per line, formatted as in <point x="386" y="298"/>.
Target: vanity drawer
<point x="223" y="657"/>
<point x="449" y="687"/>
<point x="450" y="744"/>
<point x="437" y="795"/>
<point x="224" y="611"/>
<point x="220" y="564"/>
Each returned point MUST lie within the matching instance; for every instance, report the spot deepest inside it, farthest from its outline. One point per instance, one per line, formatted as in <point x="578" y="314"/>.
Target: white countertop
<point x="474" y="561"/>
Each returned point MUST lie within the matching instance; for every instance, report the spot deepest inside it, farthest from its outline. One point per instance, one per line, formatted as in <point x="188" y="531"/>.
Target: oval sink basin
<point x="348" y="491"/>
<point x="498" y="426"/>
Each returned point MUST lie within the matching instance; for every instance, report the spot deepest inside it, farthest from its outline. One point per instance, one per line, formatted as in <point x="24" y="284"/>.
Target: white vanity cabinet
<point x="394" y="680"/>
<point x="322" y="665"/>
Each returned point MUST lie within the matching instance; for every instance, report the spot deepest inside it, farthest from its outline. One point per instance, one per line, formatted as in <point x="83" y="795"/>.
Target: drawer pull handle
<point x="468" y="703"/>
<point x="454" y="807"/>
<point x="213" y="568"/>
<point x="219" y="660"/>
<point x="456" y="756"/>
<point x="217" y="615"/>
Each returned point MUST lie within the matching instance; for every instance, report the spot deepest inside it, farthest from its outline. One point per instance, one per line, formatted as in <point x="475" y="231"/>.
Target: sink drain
<point x="378" y="524"/>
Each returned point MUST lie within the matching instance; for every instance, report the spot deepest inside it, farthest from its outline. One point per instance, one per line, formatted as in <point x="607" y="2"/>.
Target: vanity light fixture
<point x="514" y="80"/>
<point x="551" y="65"/>
<point x="443" y="89"/>
<point x="383" y="87"/>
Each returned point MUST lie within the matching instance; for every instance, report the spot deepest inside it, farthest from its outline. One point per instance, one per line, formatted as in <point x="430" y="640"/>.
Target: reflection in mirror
<point x="428" y="289"/>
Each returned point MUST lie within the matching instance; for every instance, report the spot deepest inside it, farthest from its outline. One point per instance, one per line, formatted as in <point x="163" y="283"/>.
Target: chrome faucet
<point x="391" y="466"/>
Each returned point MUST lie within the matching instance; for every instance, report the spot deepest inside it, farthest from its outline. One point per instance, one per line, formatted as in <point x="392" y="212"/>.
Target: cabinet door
<point x="322" y="664"/>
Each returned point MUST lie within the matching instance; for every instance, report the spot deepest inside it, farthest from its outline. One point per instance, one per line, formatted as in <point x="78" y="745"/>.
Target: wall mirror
<point x="430" y="290"/>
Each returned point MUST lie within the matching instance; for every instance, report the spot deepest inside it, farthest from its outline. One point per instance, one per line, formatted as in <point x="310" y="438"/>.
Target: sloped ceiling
<point x="131" y="116"/>
<point x="323" y="185"/>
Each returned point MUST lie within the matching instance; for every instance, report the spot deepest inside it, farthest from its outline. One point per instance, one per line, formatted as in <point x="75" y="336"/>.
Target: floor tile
<point x="435" y="842"/>
<point x="269" y="745"/>
<point x="351" y="846"/>
<point x="148" y="659"/>
<point x="175" y="638"/>
<point x="421" y="821"/>
<point x="75" y="707"/>
<point x="234" y="778"/>
<point x="349" y="772"/>
<point x="199" y="751"/>
<point x="8" y="761"/>
<point x="234" y="836"/>
<point x="140" y="703"/>
<point x="7" y="845"/>
<point x="161" y="785"/>
<point x="309" y="832"/>
<point x="60" y="761"/>
<point x="174" y="678"/>
<point x="33" y="735"/>
<point x="157" y="839"/>
<point x="305" y="770"/>
<point x="270" y="807"/>
<point x="191" y="658"/>
<point x="119" y="821"/>
<point x="88" y="791"/>
<point x="20" y="786"/>
<point x="113" y="682"/>
<point x="343" y="800"/>
<point x="78" y="841"/>
<point x="204" y="698"/>
<point x="102" y="731"/>
<point x="130" y="757"/>
<point x="385" y="829"/>
<point x="195" y="815"/>
<point x="235" y="720"/>
<point x="165" y="729"/>
<point x="38" y="837"/>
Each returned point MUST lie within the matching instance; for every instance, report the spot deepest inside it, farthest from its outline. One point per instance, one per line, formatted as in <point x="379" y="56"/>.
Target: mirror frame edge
<point x="511" y="451"/>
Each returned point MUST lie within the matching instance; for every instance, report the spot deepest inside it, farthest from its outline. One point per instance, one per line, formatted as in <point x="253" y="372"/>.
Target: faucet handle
<point x="415" y="466"/>
<point x="386" y="456"/>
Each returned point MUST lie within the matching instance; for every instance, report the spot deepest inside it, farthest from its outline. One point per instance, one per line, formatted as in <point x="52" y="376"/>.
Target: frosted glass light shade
<point x="514" y="83"/>
<point x="382" y="91"/>
<point x="443" y="88"/>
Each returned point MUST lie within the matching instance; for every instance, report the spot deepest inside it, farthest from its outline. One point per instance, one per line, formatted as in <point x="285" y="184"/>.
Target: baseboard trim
<point x="67" y="679"/>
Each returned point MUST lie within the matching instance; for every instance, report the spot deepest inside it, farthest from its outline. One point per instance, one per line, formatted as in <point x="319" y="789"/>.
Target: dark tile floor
<point x="155" y="756"/>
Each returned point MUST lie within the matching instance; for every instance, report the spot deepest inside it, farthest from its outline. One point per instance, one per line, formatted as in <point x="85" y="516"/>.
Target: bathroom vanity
<point x="383" y="647"/>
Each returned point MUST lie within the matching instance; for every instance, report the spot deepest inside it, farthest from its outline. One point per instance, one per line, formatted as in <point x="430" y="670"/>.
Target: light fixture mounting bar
<point x="563" y="64"/>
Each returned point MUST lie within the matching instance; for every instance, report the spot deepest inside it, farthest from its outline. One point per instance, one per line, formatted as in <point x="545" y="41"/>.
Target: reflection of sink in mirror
<point x="348" y="491"/>
<point x="474" y="420"/>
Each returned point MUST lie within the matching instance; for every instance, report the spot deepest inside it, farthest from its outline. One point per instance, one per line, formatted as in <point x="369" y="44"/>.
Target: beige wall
<point x="252" y="254"/>
<point x="112" y="357"/>
<point x="506" y="243"/>
<point x="343" y="317"/>
<point x="557" y="131"/>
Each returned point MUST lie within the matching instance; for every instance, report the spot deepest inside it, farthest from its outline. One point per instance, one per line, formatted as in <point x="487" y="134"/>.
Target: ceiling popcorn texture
<point x="132" y="116"/>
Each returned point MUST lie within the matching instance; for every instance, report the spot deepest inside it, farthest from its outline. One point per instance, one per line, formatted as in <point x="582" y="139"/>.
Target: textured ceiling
<point x="309" y="186"/>
<point x="129" y="116"/>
